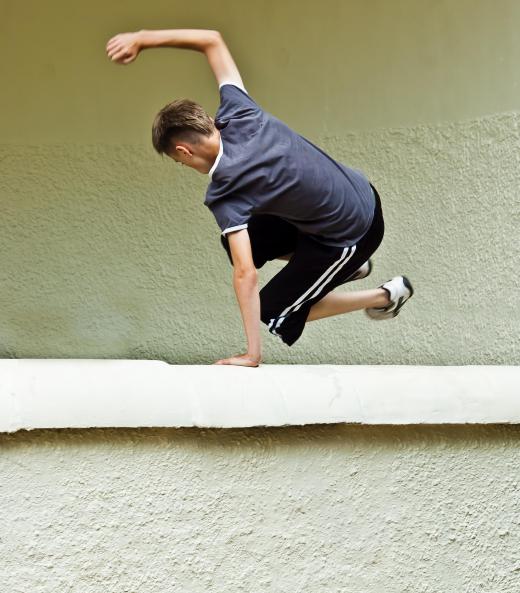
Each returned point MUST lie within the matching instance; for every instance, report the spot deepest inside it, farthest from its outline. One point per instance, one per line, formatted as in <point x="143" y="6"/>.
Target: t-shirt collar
<point x="214" y="166"/>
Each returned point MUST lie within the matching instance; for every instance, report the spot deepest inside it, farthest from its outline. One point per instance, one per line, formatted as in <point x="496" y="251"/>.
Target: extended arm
<point x="125" y="47"/>
<point x="245" y="283"/>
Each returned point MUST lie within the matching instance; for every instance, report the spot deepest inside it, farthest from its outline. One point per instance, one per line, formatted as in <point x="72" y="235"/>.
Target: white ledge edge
<point x="84" y="393"/>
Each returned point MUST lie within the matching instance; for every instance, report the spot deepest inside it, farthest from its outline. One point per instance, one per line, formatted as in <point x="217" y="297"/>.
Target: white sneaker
<point x="399" y="290"/>
<point x="362" y="272"/>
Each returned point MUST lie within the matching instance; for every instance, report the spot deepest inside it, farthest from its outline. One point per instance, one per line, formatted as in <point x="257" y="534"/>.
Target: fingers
<point x="122" y="57"/>
<point x="113" y="45"/>
<point x="239" y="360"/>
<point x="242" y="362"/>
<point x="119" y="49"/>
<point x="116" y="52"/>
<point x="116" y="39"/>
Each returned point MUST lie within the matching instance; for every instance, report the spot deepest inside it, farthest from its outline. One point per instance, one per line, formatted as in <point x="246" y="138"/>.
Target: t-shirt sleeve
<point x="235" y="103"/>
<point x="231" y="213"/>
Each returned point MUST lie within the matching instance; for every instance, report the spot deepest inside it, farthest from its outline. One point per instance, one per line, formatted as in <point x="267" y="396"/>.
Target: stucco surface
<point x="111" y="253"/>
<point x="341" y="509"/>
<point x="107" y="251"/>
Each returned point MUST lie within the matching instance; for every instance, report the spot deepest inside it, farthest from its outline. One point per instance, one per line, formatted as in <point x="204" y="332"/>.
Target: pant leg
<point x="313" y="271"/>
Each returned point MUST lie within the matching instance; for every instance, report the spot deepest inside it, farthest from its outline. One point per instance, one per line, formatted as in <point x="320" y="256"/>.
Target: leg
<point x="336" y="303"/>
<point x="311" y="274"/>
<point x="313" y="270"/>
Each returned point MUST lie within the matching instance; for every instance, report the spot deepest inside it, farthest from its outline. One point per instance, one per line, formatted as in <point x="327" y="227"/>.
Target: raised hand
<point x="124" y="47"/>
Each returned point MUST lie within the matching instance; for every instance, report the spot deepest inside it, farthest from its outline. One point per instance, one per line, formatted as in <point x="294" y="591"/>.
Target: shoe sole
<point x="408" y="285"/>
<point x="402" y="300"/>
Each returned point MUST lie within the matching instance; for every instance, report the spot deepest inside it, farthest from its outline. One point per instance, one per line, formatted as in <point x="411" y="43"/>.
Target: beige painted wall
<point x="337" y="509"/>
<point x="107" y="251"/>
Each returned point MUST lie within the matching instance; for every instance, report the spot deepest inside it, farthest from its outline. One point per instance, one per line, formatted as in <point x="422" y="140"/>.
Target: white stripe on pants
<point x="315" y="289"/>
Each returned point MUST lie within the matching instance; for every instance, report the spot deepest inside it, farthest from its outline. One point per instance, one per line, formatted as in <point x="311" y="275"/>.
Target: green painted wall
<point x="108" y="251"/>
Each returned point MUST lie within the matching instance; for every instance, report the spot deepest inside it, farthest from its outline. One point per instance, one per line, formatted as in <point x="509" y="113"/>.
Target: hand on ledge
<point x="243" y="360"/>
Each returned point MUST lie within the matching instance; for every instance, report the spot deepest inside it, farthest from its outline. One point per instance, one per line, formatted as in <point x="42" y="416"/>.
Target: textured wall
<point x="109" y="254"/>
<point x="107" y="251"/>
<point x="341" y="509"/>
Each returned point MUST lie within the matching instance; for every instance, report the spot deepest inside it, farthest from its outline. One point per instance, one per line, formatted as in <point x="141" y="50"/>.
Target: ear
<point x="183" y="149"/>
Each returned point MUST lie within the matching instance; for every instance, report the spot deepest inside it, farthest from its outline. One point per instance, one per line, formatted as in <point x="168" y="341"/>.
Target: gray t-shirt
<point x="264" y="167"/>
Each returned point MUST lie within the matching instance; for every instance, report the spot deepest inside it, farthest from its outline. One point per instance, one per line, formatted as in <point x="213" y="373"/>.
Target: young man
<point x="275" y="195"/>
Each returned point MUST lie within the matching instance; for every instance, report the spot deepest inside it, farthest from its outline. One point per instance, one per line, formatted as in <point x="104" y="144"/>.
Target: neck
<point x="213" y="148"/>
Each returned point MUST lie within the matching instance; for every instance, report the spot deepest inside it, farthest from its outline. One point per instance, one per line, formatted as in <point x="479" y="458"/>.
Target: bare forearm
<point x="246" y="290"/>
<point x="125" y="47"/>
<point x="196" y="39"/>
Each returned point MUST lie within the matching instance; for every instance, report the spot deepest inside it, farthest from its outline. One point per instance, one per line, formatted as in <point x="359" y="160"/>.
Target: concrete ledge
<point x="37" y="393"/>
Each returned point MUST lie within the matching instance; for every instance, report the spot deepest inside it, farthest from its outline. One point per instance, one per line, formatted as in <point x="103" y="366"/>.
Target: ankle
<point x="383" y="298"/>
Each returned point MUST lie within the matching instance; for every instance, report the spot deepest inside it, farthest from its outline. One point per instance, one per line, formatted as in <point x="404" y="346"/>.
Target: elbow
<point x="245" y="275"/>
<point x="214" y="38"/>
